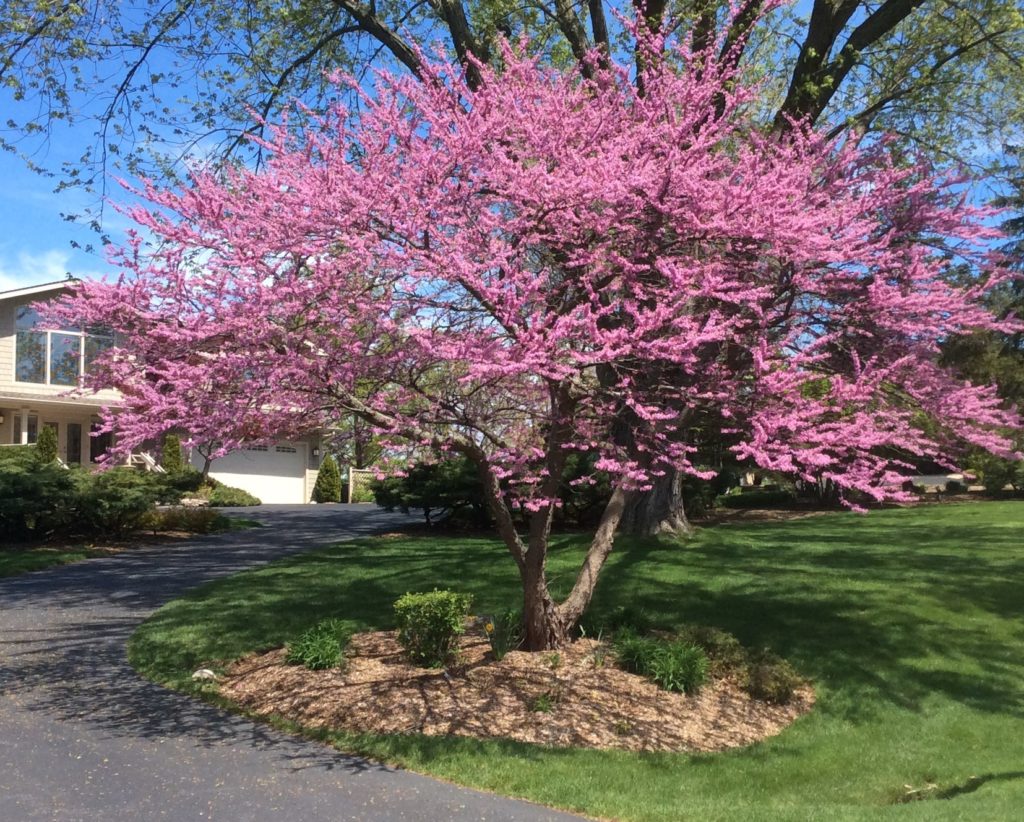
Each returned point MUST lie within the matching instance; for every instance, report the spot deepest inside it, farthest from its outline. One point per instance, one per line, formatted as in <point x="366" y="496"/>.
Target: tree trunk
<point x="544" y="628"/>
<point x="658" y="511"/>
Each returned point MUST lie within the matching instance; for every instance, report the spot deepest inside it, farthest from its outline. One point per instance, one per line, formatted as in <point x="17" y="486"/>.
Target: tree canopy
<point x="182" y="78"/>
<point x="508" y="264"/>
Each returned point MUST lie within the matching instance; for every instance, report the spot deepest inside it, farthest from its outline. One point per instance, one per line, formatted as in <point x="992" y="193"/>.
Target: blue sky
<point x="36" y="243"/>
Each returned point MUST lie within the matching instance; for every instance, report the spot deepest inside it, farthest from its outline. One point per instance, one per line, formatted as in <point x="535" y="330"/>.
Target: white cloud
<point x="27" y="268"/>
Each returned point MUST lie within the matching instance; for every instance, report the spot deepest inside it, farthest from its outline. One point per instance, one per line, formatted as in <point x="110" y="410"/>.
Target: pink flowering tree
<point x="544" y="264"/>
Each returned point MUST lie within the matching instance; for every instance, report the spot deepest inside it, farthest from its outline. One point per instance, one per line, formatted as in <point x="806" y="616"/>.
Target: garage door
<point x="274" y="473"/>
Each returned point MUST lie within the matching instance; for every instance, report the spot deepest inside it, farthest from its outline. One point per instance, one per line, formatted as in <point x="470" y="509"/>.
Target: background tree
<point x="46" y="445"/>
<point x="507" y="259"/>
<point x="328" y="482"/>
<point x="170" y="454"/>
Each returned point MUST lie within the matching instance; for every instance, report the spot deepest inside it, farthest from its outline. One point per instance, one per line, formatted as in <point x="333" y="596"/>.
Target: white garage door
<point x="274" y="473"/>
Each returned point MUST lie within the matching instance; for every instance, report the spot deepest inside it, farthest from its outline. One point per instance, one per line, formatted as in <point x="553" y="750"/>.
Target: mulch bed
<point x="575" y="697"/>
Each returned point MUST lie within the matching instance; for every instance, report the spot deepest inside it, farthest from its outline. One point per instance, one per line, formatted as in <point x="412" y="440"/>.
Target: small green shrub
<point x="955" y="487"/>
<point x="770" y="678"/>
<point x="504" y="632"/>
<point x="322" y="646"/>
<point x="429" y="625"/>
<point x="170" y="455"/>
<point x="328" y="482"/>
<point x="224" y="496"/>
<point x="46" y="445"/>
<point x="672" y="664"/>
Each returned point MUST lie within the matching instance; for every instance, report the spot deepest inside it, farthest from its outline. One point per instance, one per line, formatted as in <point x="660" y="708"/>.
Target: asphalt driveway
<point x="82" y="737"/>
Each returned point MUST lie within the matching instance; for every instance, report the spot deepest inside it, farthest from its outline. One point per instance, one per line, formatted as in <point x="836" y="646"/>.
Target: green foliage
<point x="46" y="444"/>
<point x="36" y="500"/>
<point x="186" y="482"/>
<point x="170" y="455"/>
<point x="725" y="653"/>
<point x="322" y="646"/>
<point x="583" y="492"/>
<point x="429" y="625"/>
<point x="995" y="473"/>
<point x="224" y="496"/>
<point x="770" y="678"/>
<point x="449" y="490"/>
<point x="328" y="482"/>
<point x="757" y="498"/>
<point x="504" y="632"/>
<point x="115" y="502"/>
<point x="672" y="664"/>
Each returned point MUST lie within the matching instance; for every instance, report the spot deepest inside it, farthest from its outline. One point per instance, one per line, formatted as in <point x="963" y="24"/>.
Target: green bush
<point x="170" y="455"/>
<point x="46" y="445"/>
<point x="429" y="625"/>
<point x="328" y="482"/>
<point x="955" y="487"/>
<point x="770" y="678"/>
<point x="174" y="486"/>
<point x="672" y="664"/>
<point x="322" y="646"/>
<point x="504" y="632"/>
<point x="224" y="496"/>
<point x="449" y="490"/>
<point x="115" y="502"/>
<point x="36" y="501"/>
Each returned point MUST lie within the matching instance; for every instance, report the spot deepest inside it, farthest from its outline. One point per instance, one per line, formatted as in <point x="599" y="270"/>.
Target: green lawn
<point x="14" y="561"/>
<point x="911" y="624"/>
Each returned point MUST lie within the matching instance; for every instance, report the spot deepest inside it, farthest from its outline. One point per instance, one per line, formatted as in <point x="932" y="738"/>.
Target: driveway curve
<point x="83" y="737"/>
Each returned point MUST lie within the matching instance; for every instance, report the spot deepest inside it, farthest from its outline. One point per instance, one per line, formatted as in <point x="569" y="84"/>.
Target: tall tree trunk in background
<point x="658" y="511"/>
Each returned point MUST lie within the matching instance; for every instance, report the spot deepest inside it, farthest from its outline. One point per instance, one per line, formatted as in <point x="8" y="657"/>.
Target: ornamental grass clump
<point x="320" y="647"/>
<point x="430" y="624"/>
<point x="672" y="664"/>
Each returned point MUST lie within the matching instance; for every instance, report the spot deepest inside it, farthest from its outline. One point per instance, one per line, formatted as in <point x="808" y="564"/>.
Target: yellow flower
<point x="489" y="627"/>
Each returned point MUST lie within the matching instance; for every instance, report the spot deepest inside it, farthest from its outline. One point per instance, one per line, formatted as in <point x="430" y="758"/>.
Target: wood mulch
<point x="575" y="697"/>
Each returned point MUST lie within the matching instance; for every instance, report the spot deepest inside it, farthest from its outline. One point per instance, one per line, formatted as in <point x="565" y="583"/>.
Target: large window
<point x="54" y="357"/>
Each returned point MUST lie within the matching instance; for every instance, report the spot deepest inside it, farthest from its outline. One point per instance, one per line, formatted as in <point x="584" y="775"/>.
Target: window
<point x="255" y="448"/>
<point x="33" y="428"/>
<point x="54" y="357"/>
<point x="285" y="449"/>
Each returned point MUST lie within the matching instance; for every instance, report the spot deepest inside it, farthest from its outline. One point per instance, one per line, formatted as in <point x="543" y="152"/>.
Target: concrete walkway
<point x="82" y="737"/>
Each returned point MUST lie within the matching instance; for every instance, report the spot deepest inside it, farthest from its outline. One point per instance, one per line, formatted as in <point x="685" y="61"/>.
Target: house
<point x="40" y="365"/>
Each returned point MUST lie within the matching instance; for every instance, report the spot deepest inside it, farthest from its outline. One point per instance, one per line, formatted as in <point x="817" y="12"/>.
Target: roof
<point x="42" y="288"/>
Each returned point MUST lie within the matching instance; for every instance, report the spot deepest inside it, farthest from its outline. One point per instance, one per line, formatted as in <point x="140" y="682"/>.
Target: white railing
<point x="145" y="460"/>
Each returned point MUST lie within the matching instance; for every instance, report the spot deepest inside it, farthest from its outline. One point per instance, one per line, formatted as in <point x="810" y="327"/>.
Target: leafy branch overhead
<point x="185" y="76"/>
